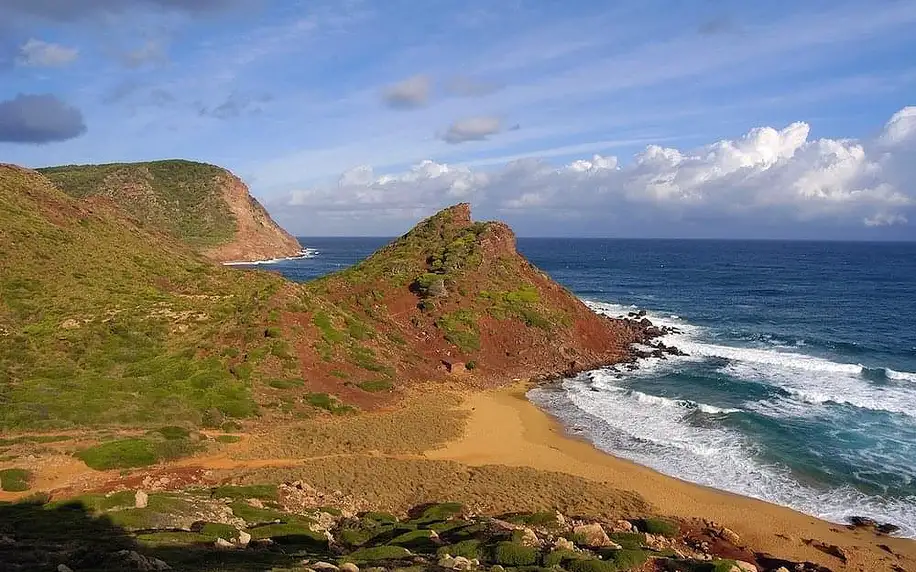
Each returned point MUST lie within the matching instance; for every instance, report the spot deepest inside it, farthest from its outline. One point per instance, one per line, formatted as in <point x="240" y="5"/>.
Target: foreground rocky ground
<point x="296" y="527"/>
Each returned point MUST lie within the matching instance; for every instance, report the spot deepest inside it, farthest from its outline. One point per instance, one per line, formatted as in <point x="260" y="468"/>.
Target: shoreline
<point x="531" y="437"/>
<point x="303" y="254"/>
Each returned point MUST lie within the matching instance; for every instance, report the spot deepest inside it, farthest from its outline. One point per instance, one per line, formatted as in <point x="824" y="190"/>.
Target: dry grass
<point x="398" y="484"/>
<point x="420" y="424"/>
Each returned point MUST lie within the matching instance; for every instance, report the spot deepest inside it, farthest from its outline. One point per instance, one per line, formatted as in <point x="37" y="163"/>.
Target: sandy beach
<point x="504" y="428"/>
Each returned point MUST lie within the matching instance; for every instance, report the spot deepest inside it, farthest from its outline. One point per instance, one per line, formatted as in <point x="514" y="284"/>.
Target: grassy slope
<point x="181" y="197"/>
<point x="103" y="323"/>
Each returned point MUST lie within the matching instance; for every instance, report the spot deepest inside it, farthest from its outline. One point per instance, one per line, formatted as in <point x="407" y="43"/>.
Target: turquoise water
<point x="800" y="384"/>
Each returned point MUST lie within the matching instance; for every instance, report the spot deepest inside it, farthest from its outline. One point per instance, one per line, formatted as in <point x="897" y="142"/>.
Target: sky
<point x="674" y="118"/>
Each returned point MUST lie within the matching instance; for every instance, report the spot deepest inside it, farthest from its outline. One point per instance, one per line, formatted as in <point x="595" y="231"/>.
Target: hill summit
<point x="206" y="206"/>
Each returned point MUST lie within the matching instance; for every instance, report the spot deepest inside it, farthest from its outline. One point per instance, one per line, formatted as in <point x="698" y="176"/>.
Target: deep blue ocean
<point x="800" y="384"/>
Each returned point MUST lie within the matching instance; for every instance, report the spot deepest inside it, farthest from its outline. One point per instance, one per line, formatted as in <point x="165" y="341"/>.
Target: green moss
<point x="522" y="303"/>
<point x="15" y="480"/>
<point x="354" y="537"/>
<point x="376" y="386"/>
<point x="228" y="438"/>
<point x="469" y="549"/>
<point x="514" y="554"/>
<point x="379" y="517"/>
<point x="264" y="492"/>
<point x="377" y="553"/>
<point x="658" y="526"/>
<point x="328" y="403"/>
<point x="173" y="538"/>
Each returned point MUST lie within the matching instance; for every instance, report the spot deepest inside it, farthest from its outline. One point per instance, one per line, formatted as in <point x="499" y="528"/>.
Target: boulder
<point x="730" y="535"/>
<point x="64" y="568"/>
<point x="623" y="526"/>
<point x="529" y="538"/>
<point x="7" y="540"/>
<point x="563" y="544"/>
<point x="223" y="543"/>
<point x="657" y="542"/>
<point x="741" y="566"/>
<point x="141" y="499"/>
<point x="324" y="566"/>
<point x="447" y="561"/>
<point x="349" y="567"/>
<point x="136" y="561"/>
<point x="244" y="538"/>
<point x="462" y="564"/>
<point x="593" y="535"/>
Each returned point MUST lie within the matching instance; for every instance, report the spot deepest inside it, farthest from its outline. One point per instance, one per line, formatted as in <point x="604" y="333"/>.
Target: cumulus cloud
<point x="775" y="175"/>
<point x="411" y="92"/>
<point x="36" y="53"/>
<point x="39" y="119"/>
<point x="472" y="129"/>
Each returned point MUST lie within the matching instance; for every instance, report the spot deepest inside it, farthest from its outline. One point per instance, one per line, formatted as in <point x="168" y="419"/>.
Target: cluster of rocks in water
<point x="279" y="528"/>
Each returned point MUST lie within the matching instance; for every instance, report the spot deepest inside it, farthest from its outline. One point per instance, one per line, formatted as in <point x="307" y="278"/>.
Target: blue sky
<point x="350" y="117"/>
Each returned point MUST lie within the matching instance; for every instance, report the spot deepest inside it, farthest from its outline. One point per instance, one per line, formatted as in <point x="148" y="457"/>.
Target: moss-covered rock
<point x="626" y="559"/>
<point x="630" y="540"/>
<point x="591" y="565"/>
<point x="514" y="554"/>
<point x="417" y="540"/>
<point x="290" y="534"/>
<point x="438" y="512"/>
<point x="469" y="549"/>
<point x="377" y="553"/>
<point x="657" y="526"/>
<point x="560" y="557"/>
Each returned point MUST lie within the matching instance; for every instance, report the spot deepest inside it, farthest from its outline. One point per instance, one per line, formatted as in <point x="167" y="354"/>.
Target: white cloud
<point x="411" y="92"/>
<point x="472" y="129"/>
<point x="37" y="53"/>
<point x="777" y="175"/>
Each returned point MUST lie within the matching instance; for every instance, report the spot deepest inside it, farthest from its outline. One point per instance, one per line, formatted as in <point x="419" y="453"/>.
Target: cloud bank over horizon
<point x="768" y="176"/>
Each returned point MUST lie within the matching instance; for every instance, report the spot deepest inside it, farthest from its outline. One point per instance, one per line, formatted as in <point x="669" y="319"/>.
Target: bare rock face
<point x="257" y="236"/>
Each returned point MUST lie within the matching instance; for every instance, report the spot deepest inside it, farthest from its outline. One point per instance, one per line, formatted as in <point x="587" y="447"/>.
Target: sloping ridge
<point x="203" y="205"/>
<point x="463" y="304"/>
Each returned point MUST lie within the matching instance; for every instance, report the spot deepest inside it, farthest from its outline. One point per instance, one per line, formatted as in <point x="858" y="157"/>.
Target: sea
<point x="799" y="387"/>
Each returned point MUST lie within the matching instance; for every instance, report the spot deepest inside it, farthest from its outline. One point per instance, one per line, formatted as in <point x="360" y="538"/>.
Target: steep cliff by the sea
<point x="206" y="206"/>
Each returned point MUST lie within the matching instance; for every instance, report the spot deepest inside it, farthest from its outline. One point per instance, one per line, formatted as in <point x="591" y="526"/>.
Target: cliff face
<point x="202" y="205"/>
<point x="257" y="236"/>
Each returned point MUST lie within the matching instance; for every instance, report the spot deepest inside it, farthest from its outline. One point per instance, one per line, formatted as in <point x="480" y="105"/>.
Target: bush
<point x="286" y="383"/>
<point x="376" y="386"/>
<point x="439" y="512"/>
<point x="254" y="515"/>
<point x="626" y="559"/>
<point x="172" y="432"/>
<point x="123" y="454"/>
<point x="591" y="565"/>
<point x="264" y="492"/>
<point x="216" y="530"/>
<point x="657" y="526"/>
<point x="380" y="517"/>
<point x="15" y="480"/>
<point x="631" y="540"/>
<point x="289" y="534"/>
<point x="378" y="553"/>
<point x="228" y="438"/>
<point x="469" y="549"/>
<point x="558" y="557"/>
<point x="514" y="554"/>
<point x="419" y="540"/>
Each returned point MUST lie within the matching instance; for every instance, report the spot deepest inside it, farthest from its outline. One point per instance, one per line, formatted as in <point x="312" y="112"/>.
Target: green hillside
<point x="181" y="197"/>
<point x="103" y="323"/>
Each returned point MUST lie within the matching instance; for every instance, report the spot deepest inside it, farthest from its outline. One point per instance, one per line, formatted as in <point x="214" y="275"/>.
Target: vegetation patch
<point x="514" y="554"/>
<point x="438" y="512"/>
<point x="376" y="553"/>
<point x="469" y="549"/>
<point x="631" y="540"/>
<point x="254" y="515"/>
<point x="228" y="439"/>
<point x="264" y="492"/>
<point x="329" y="403"/>
<point x="626" y="559"/>
<point x="460" y="329"/>
<point x="376" y="385"/>
<point x="286" y="383"/>
<point x="657" y="526"/>
<point x="591" y="565"/>
<point x="522" y="303"/>
<point x="290" y="534"/>
<point x="416" y="540"/>
<point x="129" y="453"/>
<point x="15" y="480"/>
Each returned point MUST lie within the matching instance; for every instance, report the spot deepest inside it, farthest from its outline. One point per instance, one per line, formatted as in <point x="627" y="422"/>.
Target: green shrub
<point x="376" y="386"/>
<point x="657" y="526"/>
<point x="559" y="557"/>
<point x="264" y="492"/>
<point x="286" y="383"/>
<point x="439" y="512"/>
<point x="469" y="549"/>
<point x="123" y="454"/>
<point x="228" y="438"/>
<point x="290" y="534"/>
<point x="626" y="559"/>
<point x="273" y="332"/>
<point x="470" y="365"/>
<point x="15" y="480"/>
<point x="173" y="538"/>
<point x="377" y="553"/>
<point x="379" y="517"/>
<point x="216" y="530"/>
<point x="514" y="554"/>
<point x="631" y="540"/>
<point x="419" y="540"/>
<point x="328" y="403"/>
<point x="460" y="329"/>
<point x="254" y="515"/>
<point x="591" y="565"/>
<point x="172" y="432"/>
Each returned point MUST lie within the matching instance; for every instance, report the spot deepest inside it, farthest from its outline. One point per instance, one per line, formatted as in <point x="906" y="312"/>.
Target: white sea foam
<point x="304" y="253"/>
<point x="657" y="432"/>
<point x="899" y="375"/>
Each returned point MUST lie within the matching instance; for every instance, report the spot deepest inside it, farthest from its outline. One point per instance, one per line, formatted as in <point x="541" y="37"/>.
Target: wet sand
<point x="504" y="428"/>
